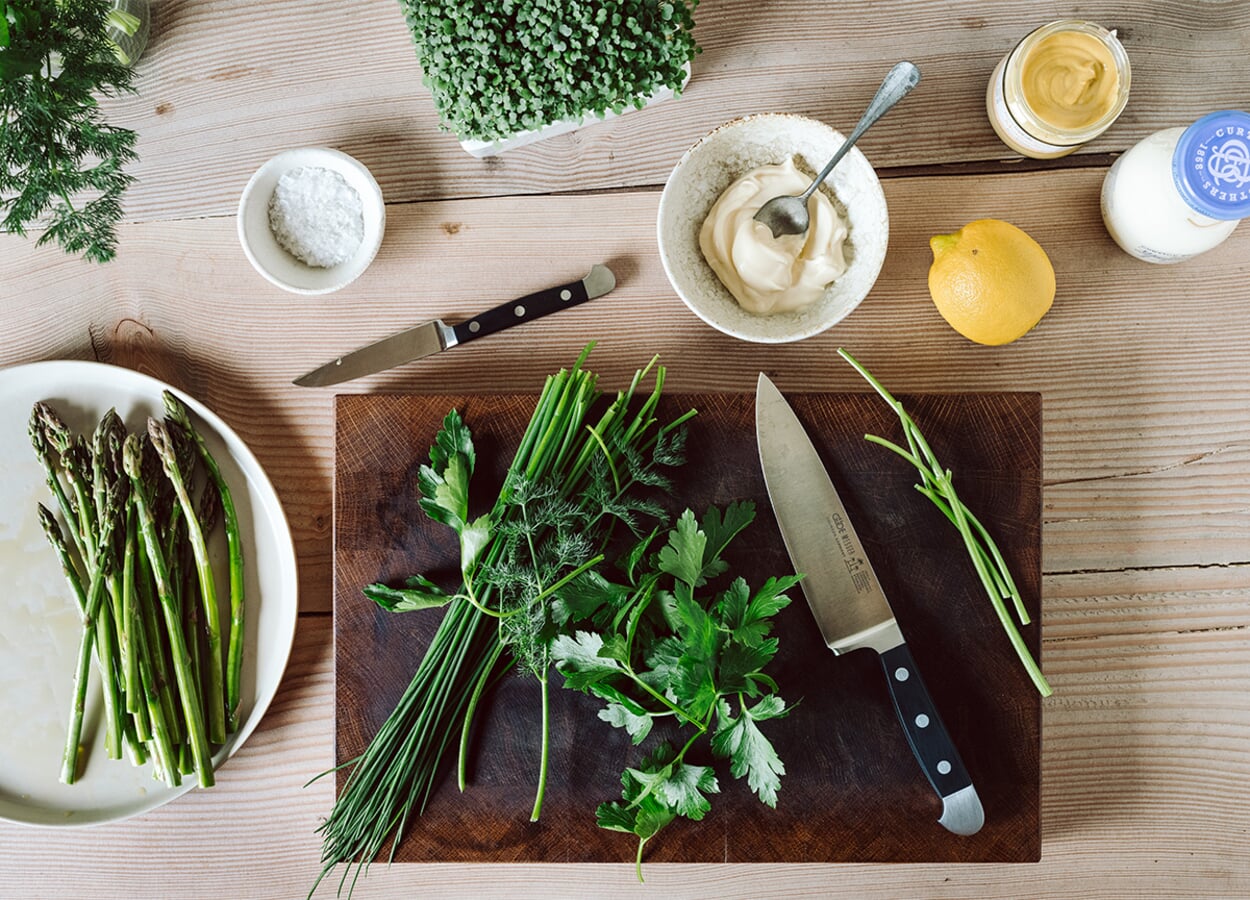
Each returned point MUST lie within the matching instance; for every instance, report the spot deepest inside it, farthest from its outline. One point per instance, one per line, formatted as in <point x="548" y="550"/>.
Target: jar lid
<point x="1211" y="165"/>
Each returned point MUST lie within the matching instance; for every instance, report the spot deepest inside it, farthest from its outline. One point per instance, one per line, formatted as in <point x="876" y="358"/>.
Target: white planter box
<point x="564" y="126"/>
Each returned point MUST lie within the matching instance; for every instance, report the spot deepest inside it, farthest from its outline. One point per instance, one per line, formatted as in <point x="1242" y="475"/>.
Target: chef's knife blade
<point x="846" y="598"/>
<point x="435" y="336"/>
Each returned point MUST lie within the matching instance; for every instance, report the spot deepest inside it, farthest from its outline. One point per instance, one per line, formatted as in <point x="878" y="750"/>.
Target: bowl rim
<point x="372" y="201"/>
<point x="818" y="326"/>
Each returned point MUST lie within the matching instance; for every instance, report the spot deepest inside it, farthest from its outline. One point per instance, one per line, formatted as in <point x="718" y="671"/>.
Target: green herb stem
<point x="545" y="751"/>
<point x="987" y="560"/>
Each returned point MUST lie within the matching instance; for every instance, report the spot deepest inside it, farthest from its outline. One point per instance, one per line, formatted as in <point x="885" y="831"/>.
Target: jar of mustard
<point x="1059" y="88"/>
<point x="1180" y="191"/>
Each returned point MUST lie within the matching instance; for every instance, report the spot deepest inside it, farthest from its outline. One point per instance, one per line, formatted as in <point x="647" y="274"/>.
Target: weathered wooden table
<point x="1144" y="372"/>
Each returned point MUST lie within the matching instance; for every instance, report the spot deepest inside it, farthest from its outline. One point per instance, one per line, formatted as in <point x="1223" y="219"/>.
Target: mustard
<point x="1070" y="80"/>
<point x="1061" y="86"/>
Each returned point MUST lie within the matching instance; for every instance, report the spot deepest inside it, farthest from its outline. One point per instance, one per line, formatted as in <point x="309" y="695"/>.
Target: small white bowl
<point x="728" y="153"/>
<point x="277" y="265"/>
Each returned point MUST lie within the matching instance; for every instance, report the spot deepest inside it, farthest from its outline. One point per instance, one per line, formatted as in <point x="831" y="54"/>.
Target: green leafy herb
<point x="574" y="477"/>
<point x="61" y="164"/>
<point x="498" y="68"/>
<point x="937" y="484"/>
<point x="660" y="648"/>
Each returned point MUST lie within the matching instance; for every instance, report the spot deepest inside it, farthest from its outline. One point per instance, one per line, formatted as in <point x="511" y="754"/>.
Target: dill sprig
<point x="572" y="479"/>
<point x="61" y="164"/>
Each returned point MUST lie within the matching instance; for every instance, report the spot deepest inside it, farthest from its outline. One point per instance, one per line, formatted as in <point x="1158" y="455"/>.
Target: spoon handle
<point x="896" y="85"/>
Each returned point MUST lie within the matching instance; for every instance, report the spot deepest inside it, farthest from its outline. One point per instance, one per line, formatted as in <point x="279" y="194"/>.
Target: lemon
<point x="990" y="281"/>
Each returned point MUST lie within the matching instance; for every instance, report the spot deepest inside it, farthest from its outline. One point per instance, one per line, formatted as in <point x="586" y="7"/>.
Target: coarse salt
<point x="316" y="216"/>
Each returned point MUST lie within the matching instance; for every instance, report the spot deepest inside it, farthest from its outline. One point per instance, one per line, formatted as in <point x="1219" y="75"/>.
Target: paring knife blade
<point x="846" y="598"/>
<point x="435" y="336"/>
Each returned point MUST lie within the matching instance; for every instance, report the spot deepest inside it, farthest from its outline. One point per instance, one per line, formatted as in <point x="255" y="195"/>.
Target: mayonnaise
<point x="768" y="275"/>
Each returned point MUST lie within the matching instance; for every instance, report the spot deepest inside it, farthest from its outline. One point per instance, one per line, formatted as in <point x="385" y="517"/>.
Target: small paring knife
<point x="846" y="598"/>
<point x="435" y="336"/>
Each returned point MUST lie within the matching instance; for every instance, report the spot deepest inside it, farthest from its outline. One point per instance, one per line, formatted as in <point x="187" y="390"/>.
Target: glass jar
<point x="1181" y="191"/>
<point x="127" y="27"/>
<point x="1059" y="88"/>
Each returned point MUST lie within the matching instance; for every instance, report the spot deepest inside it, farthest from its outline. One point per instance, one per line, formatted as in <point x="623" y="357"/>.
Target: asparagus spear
<point x="40" y="417"/>
<point x="76" y="462"/>
<point x="89" y="603"/>
<point x="177" y="411"/>
<point x="192" y="709"/>
<point x="160" y="437"/>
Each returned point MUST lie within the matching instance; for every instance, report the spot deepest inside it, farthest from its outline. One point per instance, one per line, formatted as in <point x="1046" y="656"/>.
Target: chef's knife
<point x="435" y="336"/>
<point x="847" y="599"/>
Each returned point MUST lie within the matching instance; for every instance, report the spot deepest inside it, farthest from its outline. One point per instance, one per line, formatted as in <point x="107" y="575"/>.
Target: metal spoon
<point x="788" y="215"/>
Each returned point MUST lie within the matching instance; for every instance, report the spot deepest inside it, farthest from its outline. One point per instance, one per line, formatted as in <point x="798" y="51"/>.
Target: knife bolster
<point x="882" y="637"/>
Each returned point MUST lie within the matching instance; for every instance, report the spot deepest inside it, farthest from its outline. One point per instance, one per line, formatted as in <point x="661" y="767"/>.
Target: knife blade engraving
<point x="856" y="564"/>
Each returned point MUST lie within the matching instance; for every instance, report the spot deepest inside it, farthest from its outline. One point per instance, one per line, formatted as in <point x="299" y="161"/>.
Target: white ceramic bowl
<point x="728" y="153"/>
<point x="276" y="264"/>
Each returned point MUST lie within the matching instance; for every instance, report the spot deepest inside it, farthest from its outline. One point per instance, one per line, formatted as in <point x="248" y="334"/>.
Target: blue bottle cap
<point x="1211" y="165"/>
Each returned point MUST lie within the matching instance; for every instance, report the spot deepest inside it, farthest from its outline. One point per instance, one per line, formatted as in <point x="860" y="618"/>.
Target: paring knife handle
<point x="931" y="743"/>
<point x="514" y="312"/>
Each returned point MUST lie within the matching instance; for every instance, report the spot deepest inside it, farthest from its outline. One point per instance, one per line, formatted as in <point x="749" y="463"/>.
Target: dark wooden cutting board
<point x="852" y="791"/>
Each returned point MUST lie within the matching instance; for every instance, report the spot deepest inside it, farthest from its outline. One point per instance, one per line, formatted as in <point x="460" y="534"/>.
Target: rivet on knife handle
<point x="535" y="305"/>
<point x="931" y="743"/>
<point x="435" y="336"/>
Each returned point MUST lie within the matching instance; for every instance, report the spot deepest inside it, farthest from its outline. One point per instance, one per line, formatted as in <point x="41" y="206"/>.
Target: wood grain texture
<point x="226" y="85"/>
<point x="852" y="792"/>
<point x="1144" y="791"/>
<point x="1143" y="371"/>
<point x="1142" y="367"/>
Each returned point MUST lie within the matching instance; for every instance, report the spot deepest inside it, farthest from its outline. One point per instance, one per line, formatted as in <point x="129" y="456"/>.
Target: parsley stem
<point x="399" y="769"/>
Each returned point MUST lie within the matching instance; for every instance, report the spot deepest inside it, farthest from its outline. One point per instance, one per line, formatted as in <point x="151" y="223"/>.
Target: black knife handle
<point x="529" y="307"/>
<point x="930" y="741"/>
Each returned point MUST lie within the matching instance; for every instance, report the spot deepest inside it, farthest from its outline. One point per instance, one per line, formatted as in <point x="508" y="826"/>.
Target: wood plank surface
<point x="852" y="792"/>
<point x="1144" y="373"/>
<point x="1141" y="764"/>
<point x="1127" y="359"/>
<point x="218" y="94"/>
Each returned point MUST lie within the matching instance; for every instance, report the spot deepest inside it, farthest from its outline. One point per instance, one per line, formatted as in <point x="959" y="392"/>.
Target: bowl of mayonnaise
<point x="730" y="270"/>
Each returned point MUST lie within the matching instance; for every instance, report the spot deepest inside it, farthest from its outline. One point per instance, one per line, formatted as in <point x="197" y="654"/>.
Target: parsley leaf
<point x="577" y="659"/>
<point x="748" y="618"/>
<point x="720" y="530"/>
<point x="684" y="788"/>
<point x="682" y="557"/>
<point x="444" y="481"/>
<point x="623" y="712"/>
<point x="420" y="593"/>
<point x="749" y="752"/>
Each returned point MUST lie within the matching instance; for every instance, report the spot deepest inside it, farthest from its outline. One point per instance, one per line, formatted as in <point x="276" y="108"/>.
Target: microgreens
<point x="498" y="68"/>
